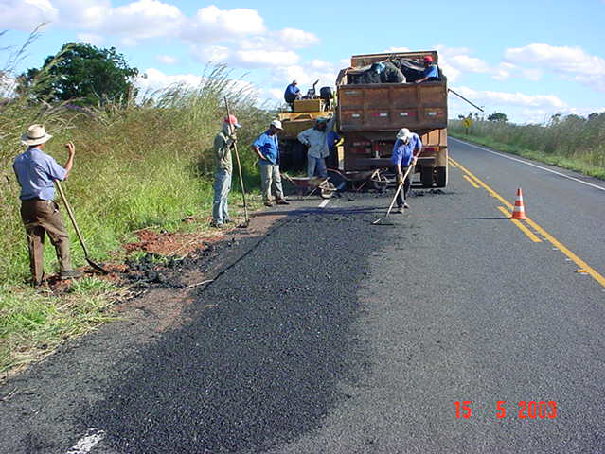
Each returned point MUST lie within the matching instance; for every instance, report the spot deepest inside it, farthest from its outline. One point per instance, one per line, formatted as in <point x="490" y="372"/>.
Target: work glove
<point x="399" y="179"/>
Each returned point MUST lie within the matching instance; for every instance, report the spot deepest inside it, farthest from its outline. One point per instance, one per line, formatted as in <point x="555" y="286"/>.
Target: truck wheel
<point x="426" y="176"/>
<point x="441" y="177"/>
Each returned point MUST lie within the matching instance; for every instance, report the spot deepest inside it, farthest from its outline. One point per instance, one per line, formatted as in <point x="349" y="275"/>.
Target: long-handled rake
<point x="384" y="220"/>
<point x="73" y="220"/>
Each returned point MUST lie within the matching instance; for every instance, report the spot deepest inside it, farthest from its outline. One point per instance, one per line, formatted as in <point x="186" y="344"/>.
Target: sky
<point x="528" y="59"/>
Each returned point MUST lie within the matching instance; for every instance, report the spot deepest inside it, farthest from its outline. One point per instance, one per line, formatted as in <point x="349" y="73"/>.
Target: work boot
<point x="406" y="206"/>
<point x="216" y="225"/>
<point x="282" y="202"/>
<point x="70" y="274"/>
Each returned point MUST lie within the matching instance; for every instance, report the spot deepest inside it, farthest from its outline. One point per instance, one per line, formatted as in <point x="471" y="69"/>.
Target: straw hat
<point x="35" y="135"/>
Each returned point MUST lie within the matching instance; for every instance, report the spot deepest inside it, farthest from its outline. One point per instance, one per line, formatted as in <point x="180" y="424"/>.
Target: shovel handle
<point x="72" y="217"/>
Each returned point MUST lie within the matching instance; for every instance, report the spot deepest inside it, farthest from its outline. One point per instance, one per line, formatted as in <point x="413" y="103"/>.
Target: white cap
<point x="294" y="81"/>
<point x="277" y="124"/>
<point x="404" y="134"/>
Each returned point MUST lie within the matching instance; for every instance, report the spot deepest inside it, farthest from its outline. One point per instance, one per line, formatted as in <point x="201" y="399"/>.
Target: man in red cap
<point x="431" y="72"/>
<point x="223" y="143"/>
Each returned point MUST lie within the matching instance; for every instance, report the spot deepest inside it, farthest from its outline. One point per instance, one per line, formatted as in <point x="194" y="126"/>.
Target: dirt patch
<point x="164" y="243"/>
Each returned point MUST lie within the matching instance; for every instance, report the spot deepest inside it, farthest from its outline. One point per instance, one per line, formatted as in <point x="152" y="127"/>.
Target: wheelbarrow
<point x="311" y="185"/>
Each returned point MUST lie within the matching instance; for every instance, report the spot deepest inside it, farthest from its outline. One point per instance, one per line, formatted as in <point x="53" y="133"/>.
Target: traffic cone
<point x="519" y="211"/>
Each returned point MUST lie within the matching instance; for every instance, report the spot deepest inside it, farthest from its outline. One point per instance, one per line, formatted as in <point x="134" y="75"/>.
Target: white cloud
<point x="264" y="58"/>
<point x="26" y="14"/>
<point x="510" y="99"/>
<point x="393" y="50"/>
<point x="212" y="24"/>
<point x="466" y="63"/>
<point x="570" y="62"/>
<point x="167" y="59"/>
<point x="293" y="37"/>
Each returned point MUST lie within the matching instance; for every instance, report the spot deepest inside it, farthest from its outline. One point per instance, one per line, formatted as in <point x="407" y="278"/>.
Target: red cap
<point x="231" y="120"/>
<point x="428" y="58"/>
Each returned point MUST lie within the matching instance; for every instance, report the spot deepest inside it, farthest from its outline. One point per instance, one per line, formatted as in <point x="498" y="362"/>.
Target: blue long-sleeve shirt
<point x="269" y="148"/>
<point x="291" y="92"/>
<point x="402" y="154"/>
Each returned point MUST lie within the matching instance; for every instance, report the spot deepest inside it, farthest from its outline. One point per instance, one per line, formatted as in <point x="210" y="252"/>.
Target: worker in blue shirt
<point x="267" y="149"/>
<point x="431" y="71"/>
<point x="405" y="153"/>
<point x="292" y="93"/>
<point x="36" y="172"/>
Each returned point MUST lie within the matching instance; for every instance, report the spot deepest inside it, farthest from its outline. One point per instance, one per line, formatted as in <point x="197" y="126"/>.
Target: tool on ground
<point x="73" y="220"/>
<point x="241" y="180"/>
<point x="519" y="211"/>
<point x="384" y="220"/>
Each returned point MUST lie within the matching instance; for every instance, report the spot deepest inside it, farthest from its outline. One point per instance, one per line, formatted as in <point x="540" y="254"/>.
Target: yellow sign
<point x="467" y="122"/>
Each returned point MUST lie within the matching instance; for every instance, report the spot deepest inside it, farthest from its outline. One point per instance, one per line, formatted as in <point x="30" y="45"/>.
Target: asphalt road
<point x="332" y="335"/>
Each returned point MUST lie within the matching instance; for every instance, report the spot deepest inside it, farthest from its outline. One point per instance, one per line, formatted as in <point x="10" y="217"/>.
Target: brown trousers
<point x="42" y="217"/>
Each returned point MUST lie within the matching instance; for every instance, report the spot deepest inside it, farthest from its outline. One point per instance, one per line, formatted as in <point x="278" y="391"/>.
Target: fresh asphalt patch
<point x="262" y="358"/>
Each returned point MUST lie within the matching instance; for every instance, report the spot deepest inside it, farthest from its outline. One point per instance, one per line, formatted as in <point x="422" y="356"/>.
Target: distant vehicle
<point x="370" y="114"/>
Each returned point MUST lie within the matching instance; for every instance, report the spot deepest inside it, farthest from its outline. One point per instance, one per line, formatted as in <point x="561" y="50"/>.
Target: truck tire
<point x="441" y="177"/>
<point x="426" y="176"/>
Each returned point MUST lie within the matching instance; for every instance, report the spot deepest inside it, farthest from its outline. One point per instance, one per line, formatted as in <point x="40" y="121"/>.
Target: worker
<point x="267" y="149"/>
<point x="292" y="93"/>
<point x="405" y="154"/>
<point x="223" y="143"/>
<point x="431" y="71"/>
<point x="316" y="139"/>
<point x="36" y="173"/>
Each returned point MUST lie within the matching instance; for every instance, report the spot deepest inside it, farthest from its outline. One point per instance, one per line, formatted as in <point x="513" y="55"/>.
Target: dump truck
<point x="371" y="114"/>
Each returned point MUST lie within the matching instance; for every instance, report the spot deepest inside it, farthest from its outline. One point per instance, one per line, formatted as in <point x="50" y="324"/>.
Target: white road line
<point x="531" y="165"/>
<point x="87" y="442"/>
<point x="324" y="203"/>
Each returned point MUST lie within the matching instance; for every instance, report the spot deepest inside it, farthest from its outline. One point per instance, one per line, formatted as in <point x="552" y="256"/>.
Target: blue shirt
<point x="402" y="154"/>
<point x="267" y="145"/>
<point x="431" y="71"/>
<point x="333" y="137"/>
<point x="36" y="172"/>
<point x="291" y="92"/>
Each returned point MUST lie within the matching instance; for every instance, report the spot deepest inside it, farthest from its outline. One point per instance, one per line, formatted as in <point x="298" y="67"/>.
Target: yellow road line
<point x="521" y="226"/>
<point x="467" y="178"/>
<point x="584" y="267"/>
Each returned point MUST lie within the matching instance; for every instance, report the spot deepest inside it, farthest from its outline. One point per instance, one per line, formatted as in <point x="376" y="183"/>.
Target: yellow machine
<point x="305" y="111"/>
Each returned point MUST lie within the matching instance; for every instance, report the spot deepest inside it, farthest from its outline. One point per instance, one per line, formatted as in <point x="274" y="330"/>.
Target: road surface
<point x="453" y="330"/>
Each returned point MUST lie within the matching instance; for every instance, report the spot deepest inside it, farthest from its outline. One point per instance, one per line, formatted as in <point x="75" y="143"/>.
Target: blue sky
<point x="529" y="59"/>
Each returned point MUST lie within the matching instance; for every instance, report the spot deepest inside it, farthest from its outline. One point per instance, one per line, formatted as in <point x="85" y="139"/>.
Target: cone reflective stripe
<point x="519" y="211"/>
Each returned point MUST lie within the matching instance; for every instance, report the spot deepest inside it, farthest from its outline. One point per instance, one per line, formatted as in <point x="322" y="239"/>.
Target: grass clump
<point x="572" y="142"/>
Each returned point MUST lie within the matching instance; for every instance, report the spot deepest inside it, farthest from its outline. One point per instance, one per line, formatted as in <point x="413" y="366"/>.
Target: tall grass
<point x="572" y="141"/>
<point x="138" y="164"/>
<point x="145" y="165"/>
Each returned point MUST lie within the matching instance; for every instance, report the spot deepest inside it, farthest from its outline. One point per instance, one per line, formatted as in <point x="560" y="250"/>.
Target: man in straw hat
<point x="223" y="143"/>
<point x="36" y="172"/>
<point x="316" y="139"/>
<point x="266" y="147"/>
<point x="405" y="153"/>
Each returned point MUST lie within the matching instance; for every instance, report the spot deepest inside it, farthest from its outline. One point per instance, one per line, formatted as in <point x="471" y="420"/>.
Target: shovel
<point x="241" y="180"/>
<point x="383" y="220"/>
<point x="73" y="220"/>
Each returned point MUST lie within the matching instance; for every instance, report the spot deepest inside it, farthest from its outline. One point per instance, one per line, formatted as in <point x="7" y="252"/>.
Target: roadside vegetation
<point x="140" y="163"/>
<point x="572" y="141"/>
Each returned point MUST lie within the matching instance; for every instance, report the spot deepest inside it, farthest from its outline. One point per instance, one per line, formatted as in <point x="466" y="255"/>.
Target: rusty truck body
<point x="371" y="114"/>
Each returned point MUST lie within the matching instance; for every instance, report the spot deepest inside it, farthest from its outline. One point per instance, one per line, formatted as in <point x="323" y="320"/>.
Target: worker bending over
<point x="405" y="154"/>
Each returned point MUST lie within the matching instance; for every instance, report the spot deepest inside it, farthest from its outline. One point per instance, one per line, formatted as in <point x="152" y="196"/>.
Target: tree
<point x="498" y="116"/>
<point x="83" y="72"/>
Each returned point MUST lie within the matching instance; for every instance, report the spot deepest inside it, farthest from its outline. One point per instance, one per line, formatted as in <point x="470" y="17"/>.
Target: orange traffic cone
<point x="519" y="211"/>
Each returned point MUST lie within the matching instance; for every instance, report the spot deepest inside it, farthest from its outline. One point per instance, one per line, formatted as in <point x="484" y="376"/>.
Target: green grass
<point x="572" y="142"/>
<point x="143" y="166"/>
<point x="33" y="324"/>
